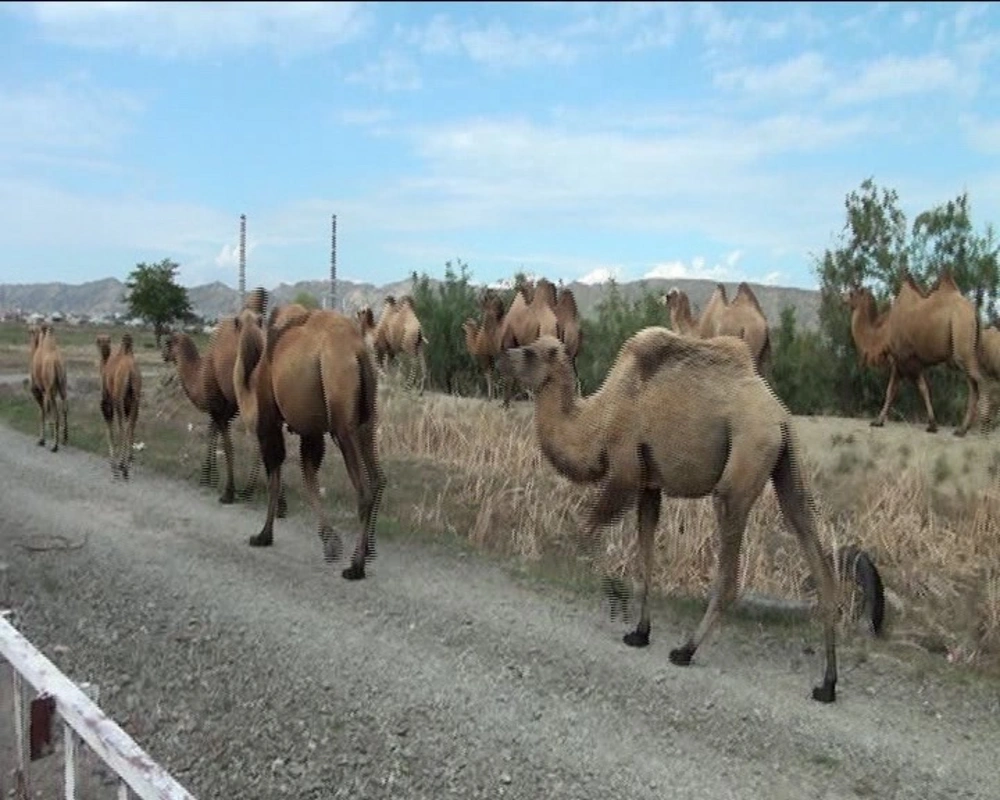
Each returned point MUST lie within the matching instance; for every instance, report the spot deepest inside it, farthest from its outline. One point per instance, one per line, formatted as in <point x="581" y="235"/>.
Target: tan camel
<point x="317" y="377"/>
<point x="397" y="333"/>
<point x="482" y="340"/>
<point x="48" y="383"/>
<point x="121" y="395"/>
<point x="989" y="357"/>
<point x="687" y="418"/>
<point x="742" y="317"/>
<point x="919" y="330"/>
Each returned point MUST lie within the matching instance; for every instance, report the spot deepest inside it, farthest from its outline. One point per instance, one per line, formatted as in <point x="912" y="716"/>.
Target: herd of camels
<point x="647" y="432"/>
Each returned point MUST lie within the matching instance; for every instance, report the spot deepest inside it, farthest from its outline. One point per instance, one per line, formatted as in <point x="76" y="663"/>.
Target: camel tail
<point x="368" y="388"/>
<point x="251" y="349"/>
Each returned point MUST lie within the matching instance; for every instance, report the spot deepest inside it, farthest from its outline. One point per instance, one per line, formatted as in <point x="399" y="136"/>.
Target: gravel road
<point x="262" y="674"/>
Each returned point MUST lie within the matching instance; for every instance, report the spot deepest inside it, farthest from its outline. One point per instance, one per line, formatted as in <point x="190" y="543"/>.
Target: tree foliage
<point x="306" y="299"/>
<point x="153" y="295"/>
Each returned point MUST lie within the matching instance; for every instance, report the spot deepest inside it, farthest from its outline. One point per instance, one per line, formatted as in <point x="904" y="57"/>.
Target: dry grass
<point x="926" y="507"/>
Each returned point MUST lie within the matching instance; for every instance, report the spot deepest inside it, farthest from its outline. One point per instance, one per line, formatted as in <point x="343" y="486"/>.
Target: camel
<point x="398" y="332"/>
<point x="919" y="330"/>
<point x="482" y="340"/>
<point x="121" y="394"/>
<point x="207" y="380"/>
<point x="48" y="383"/>
<point x="990" y="362"/>
<point x="742" y="317"/>
<point x="317" y="377"/>
<point x="687" y="418"/>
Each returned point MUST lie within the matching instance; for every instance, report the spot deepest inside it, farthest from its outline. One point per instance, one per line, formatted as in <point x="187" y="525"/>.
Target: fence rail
<point x="84" y="719"/>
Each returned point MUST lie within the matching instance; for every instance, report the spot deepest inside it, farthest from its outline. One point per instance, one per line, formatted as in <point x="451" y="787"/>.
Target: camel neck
<point x="189" y="364"/>
<point x="568" y="438"/>
<point x="868" y="334"/>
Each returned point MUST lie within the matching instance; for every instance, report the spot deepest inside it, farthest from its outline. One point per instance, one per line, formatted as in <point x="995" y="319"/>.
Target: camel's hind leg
<point x="925" y="393"/>
<point x="648" y="513"/>
<point x="796" y="508"/>
<point x="738" y="489"/>
<point x="974" y="381"/>
<point x="52" y="415"/>
<point x="40" y="399"/>
<point x="108" y="413"/>
<point x="361" y="462"/>
<point x="272" y="451"/>
<point x="311" y="450"/>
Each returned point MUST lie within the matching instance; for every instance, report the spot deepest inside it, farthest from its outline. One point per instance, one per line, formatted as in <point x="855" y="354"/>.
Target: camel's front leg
<point x="40" y="399"/>
<point x="208" y="466"/>
<point x="648" y="519"/>
<point x="890" y="397"/>
<point x="229" y="490"/>
<point x="925" y="392"/>
<point x="971" y="408"/>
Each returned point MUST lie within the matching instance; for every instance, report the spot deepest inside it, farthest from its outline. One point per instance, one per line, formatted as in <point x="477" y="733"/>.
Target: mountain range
<point x="104" y="297"/>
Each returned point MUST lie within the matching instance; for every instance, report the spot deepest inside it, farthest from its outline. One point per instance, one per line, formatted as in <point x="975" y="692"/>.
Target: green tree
<point x="153" y="295"/>
<point x="801" y="371"/>
<point x="306" y="299"/>
<point x="450" y="368"/>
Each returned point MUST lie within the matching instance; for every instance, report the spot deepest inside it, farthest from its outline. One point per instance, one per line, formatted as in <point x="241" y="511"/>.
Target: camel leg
<point x="796" y="509"/>
<point x="369" y="483"/>
<point x="108" y="412"/>
<point x="648" y="519"/>
<point x="52" y="413"/>
<point x="890" y="396"/>
<point x="272" y="451"/>
<point x="423" y="371"/>
<point x="311" y="450"/>
<point x="40" y="399"/>
<point x="489" y="385"/>
<point x="925" y="392"/>
<point x="972" y="406"/>
<point x="229" y="490"/>
<point x="208" y="466"/>
<point x="65" y="420"/>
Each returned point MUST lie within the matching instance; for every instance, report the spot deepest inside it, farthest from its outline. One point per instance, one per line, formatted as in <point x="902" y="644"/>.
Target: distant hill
<point x="211" y="300"/>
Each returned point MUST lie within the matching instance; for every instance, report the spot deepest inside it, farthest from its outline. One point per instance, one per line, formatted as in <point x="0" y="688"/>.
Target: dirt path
<point x="262" y="674"/>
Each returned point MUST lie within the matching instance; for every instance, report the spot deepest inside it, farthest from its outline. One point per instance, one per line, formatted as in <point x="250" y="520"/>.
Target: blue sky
<point x="568" y="139"/>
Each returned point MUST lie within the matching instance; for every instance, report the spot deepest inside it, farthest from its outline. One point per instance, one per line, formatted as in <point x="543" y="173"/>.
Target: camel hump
<point x="566" y="304"/>
<point x="946" y="283"/>
<point x="251" y="347"/>
<point x="909" y="280"/>
<point x="746" y="294"/>
<point x="720" y="289"/>
<point x="655" y="349"/>
<point x="256" y="301"/>
<point x="126" y="343"/>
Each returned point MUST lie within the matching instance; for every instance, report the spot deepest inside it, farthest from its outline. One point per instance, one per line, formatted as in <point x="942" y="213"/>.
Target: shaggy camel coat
<point x="47" y="376"/>
<point x="121" y="396"/>
<point x="919" y="330"/>
<point x="742" y="317"/>
<point x="317" y="377"/>
<point x="686" y="418"/>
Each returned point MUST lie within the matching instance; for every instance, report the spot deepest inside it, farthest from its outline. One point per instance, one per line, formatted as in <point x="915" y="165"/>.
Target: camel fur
<point x="686" y="418"/>
<point x="742" y="317"/>
<point x="919" y="330"/>
<point x="317" y="377"/>
<point x="568" y="320"/>
<point x="207" y="380"/>
<point x="121" y="396"/>
<point x="47" y="377"/>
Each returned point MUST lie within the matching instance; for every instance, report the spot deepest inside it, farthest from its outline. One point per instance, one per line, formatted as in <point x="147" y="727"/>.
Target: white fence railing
<point x="82" y="719"/>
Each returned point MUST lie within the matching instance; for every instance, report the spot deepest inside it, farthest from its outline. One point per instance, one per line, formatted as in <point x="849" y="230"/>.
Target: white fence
<point x="82" y="719"/>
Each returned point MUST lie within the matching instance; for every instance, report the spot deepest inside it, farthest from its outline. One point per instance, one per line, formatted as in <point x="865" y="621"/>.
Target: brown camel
<point x="482" y="340"/>
<point x="919" y="330"/>
<point x="317" y="377"/>
<point x="48" y="383"/>
<point x="742" y="317"/>
<point x="398" y="333"/>
<point x="207" y="380"/>
<point x="121" y="395"/>
<point x="687" y="418"/>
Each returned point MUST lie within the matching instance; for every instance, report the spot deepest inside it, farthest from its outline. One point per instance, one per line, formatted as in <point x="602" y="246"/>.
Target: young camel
<point x="482" y="340"/>
<point x="121" y="394"/>
<point x="317" y="377"/>
<point x="48" y="383"/>
<point x="918" y="331"/>
<point x="687" y="418"/>
<point x="742" y="317"/>
<point x="404" y="335"/>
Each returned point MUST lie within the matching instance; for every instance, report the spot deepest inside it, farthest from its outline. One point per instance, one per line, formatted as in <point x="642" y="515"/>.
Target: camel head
<point x="170" y="345"/>
<point x="34" y="336"/>
<point x="546" y="290"/>
<point x="103" y="342"/>
<point x="534" y="364"/>
<point x="857" y="297"/>
<point x="366" y="319"/>
<point x="249" y="316"/>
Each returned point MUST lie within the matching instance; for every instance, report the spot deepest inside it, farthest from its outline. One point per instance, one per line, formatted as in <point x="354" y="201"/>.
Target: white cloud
<point x="601" y="275"/>
<point x="364" y="116"/>
<point x="801" y="75"/>
<point x="897" y="76"/>
<point x="982" y="134"/>
<point x="229" y="256"/>
<point x="197" y="29"/>
<point x="497" y="45"/>
<point x="391" y="72"/>
<point x="698" y="269"/>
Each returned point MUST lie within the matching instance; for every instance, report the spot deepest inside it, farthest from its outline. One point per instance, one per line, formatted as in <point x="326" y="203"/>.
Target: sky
<point x="572" y="140"/>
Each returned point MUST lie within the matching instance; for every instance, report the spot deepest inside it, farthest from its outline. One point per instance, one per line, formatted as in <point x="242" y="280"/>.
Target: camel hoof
<point x="124" y="471"/>
<point x="682" y="656"/>
<point x="958" y="432"/>
<point x="636" y="638"/>
<point x="228" y="498"/>
<point x="262" y="540"/>
<point x="932" y="427"/>
<point x="826" y="693"/>
<point x="55" y="448"/>
<point x="355" y="572"/>
<point x="875" y="423"/>
<point x="41" y="443"/>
